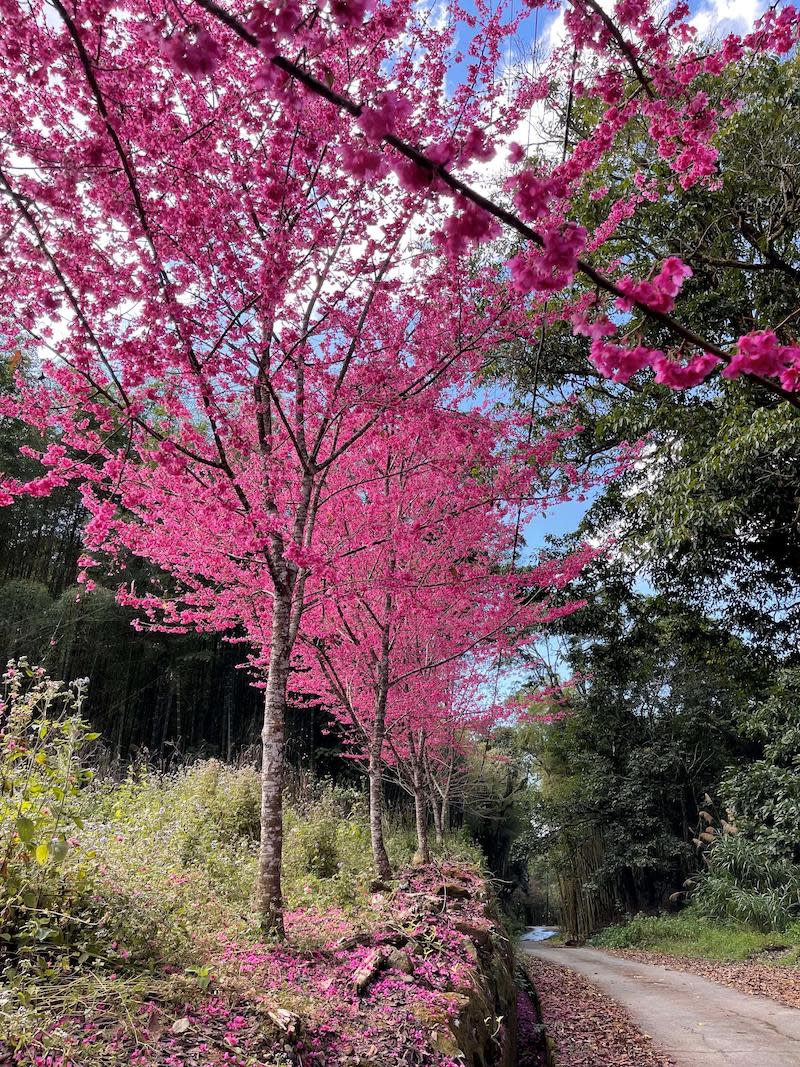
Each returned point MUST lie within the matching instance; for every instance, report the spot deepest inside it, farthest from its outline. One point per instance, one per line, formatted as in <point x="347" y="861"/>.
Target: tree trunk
<point x="379" y="855"/>
<point x="423" y="854"/>
<point x="270" y="902"/>
<point x="416" y="757"/>
<point x="445" y="809"/>
<point x="437" y="822"/>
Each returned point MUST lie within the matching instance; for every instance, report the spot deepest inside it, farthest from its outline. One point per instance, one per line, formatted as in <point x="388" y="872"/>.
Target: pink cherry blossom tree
<point x="652" y="76"/>
<point x="225" y="297"/>
<point x="435" y="586"/>
<point x="237" y="247"/>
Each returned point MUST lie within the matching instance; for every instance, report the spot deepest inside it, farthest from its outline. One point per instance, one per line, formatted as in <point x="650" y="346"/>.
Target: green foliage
<point x="170" y="860"/>
<point x="710" y="515"/>
<point x="155" y="867"/>
<point x="764" y="793"/>
<point x="691" y="934"/>
<point x="745" y="883"/>
<point x="327" y="855"/>
<point x="752" y="860"/>
<point x="653" y="726"/>
<point x="42" y="741"/>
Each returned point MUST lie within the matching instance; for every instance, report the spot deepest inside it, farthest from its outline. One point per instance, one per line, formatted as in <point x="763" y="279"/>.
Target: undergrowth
<point x="116" y="895"/>
<point x="690" y="934"/>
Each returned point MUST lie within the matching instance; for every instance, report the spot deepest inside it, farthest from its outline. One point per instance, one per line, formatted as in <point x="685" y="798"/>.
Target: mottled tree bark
<point x="423" y="853"/>
<point x="445" y="810"/>
<point x="380" y="856"/>
<point x="437" y="820"/>
<point x="270" y="902"/>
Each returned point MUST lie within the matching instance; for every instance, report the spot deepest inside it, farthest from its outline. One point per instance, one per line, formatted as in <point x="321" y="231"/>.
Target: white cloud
<point x="720" y="17"/>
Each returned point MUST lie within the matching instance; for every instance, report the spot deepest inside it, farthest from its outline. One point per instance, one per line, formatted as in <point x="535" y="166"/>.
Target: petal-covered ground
<point x="755" y="977"/>
<point x="408" y="985"/>
<point x="589" y="1029"/>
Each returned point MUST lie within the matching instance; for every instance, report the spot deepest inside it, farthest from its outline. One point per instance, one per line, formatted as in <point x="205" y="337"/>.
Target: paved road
<point x="699" y="1023"/>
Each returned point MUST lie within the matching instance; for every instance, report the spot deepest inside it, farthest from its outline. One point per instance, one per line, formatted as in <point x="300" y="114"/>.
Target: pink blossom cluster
<point x="660" y="291"/>
<point x="762" y="353"/>
<point x="552" y="269"/>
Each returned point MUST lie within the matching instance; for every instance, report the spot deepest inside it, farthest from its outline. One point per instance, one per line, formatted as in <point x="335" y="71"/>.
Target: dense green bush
<point x="752" y="856"/>
<point x="155" y="867"/>
<point x="171" y="862"/>
<point x="327" y="855"/>
<point x="746" y="883"/>
<point x="764" y="793"/>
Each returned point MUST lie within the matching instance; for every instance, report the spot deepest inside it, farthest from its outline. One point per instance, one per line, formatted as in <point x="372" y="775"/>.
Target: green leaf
<point x="25" y="829"/>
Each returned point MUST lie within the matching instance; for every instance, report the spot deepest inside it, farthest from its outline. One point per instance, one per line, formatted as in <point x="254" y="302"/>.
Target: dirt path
<point x="696" y="1022"/>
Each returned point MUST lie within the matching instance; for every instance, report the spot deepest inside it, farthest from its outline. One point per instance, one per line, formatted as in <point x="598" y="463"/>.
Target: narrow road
<point x="697" y="1022"/>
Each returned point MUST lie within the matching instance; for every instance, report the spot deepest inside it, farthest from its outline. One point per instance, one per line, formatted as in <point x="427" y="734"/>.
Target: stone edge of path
<point x="546" y="1049"/>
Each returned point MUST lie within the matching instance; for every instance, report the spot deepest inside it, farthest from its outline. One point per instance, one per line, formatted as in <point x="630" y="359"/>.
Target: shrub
<point x="642" y="930"/>
<point x="172" y="859"/>
<point x="747" y="883"/>
<point x="692" y="934"/>
<point x="42" y="741"/>
<point x="327" y="857"/>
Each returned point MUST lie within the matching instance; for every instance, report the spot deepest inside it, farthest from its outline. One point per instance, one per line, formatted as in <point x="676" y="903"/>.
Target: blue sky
<point x="560" y="520"/>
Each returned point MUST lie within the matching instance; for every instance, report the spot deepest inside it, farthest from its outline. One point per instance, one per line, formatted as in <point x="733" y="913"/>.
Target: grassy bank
<point x="130" y="936"/>
<point x="688" y="934"/>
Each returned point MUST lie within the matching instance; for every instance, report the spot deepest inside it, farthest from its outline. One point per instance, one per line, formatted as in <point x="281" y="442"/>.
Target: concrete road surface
<point x="697" y="1022"/>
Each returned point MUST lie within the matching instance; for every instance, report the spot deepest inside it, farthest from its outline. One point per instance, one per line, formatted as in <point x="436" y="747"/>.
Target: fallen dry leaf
<point x="589" y="1029"/>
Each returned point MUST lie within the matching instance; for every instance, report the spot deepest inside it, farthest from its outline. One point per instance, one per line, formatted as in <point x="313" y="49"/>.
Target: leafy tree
<point x="764" y="793"/>
<point x="710" y="514"/>
<point x="650" y="728"/>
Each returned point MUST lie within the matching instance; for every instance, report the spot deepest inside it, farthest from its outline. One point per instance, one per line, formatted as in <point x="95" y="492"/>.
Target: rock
<point x="400" y="961"/>
<point x="485" y="1018"/>
<point x="445" y="1043"/>
<point x="480" y="935"/>
<point x="454" y="890"/>
<point x="369" y="969"/>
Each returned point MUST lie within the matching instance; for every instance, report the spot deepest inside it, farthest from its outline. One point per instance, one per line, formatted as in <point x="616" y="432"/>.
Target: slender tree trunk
<point x="444" y="817"/>
<point x="423" y="853"/>
<point x="379" y="854"/>
<point x="432" y="789"/>
<point x="437" y="821"/>
<point x="270" y="903"/>
<point x="417" y="757"/>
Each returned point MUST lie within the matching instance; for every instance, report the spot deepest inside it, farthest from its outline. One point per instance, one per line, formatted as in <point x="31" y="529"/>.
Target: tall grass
<point x="692" y="934"/>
